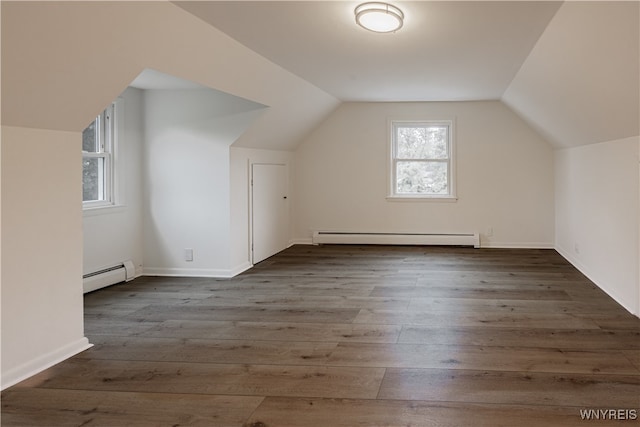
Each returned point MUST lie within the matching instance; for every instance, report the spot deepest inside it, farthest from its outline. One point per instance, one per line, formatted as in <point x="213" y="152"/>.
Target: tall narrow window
<point x="422" y="159"/>
<point x="97" y="160"/>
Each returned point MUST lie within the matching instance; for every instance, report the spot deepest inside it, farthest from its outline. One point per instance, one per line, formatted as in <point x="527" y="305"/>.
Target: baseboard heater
<point x="340" y="237"/>
<point x="108" y="276"/>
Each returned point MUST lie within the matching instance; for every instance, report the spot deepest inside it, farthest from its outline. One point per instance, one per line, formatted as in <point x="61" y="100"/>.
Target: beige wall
<point x="42" y="246"/>
<point x="597" y="211"/>
<point x="504" y="176"/>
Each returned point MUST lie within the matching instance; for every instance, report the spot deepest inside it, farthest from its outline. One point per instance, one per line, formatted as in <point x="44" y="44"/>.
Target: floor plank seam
<point x="363" y="333"/>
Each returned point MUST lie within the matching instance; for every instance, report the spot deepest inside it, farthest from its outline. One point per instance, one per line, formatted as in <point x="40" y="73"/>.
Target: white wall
<point x="240" y="163"/>
<point x="597" y="215"/>
<point x="504" y="176"/>
<point x="41" y="240"/>
<point x="187" y="179"/>
<point x="185" y="159"/>
<point x="114" y="235"/>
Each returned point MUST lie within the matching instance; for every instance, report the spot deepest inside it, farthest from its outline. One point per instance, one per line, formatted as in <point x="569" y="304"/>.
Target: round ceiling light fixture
<point x="379" y="17"/>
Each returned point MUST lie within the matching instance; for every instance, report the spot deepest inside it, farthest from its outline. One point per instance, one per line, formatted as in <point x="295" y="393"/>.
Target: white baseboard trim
<point x="241" y="268"/>
<point x="303" y="241"/>
<point x="516" y="245"/>
<point x="39" y="364"/>
<point x="566" y="254"/>
<point x="196" y="272"/>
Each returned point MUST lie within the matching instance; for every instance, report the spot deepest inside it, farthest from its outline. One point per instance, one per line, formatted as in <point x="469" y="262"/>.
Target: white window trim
<point x="391" y="174"/>
<point x="110" y="136"/>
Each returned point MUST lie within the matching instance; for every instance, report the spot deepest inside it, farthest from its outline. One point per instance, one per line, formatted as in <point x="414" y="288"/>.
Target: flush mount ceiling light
<point x="379" y="17"/>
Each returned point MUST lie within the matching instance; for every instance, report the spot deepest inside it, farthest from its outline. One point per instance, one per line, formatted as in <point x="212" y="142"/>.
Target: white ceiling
<point x="62" y="62"/>
<point x="581" y="83"/>
<point x="572" y="72"/>
<point x="152" y="79"/>
<point x="446" y="51"/>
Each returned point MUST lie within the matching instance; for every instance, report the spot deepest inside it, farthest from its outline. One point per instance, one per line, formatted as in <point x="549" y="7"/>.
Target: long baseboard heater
<point x="340" y="237"/>
<point x="108" y="276"/>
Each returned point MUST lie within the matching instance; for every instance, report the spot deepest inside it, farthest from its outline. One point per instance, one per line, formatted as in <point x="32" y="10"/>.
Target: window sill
<point x="102" y="210"/>
<point x="432" y="199"/>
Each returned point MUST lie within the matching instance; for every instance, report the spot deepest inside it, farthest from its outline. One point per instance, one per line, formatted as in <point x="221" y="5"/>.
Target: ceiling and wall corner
<point x="580" y="84"/>
<point x="110" y="43"/>
<point x="570" y="69"/>
<point x="446" y="50"/>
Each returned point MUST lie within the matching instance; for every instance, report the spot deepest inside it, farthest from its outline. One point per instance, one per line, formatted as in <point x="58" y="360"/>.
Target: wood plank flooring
<point x="348" y="336"/>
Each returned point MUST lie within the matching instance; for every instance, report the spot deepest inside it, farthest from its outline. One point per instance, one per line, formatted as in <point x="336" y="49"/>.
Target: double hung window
<point x="98" y="143"/>
<point x="422" y="159"/>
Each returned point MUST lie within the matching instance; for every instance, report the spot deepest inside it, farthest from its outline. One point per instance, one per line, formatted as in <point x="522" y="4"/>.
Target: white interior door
<point x="270" y="210"/>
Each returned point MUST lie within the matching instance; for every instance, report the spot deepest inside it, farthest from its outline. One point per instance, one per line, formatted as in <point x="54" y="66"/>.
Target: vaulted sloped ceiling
<point x="569" y="69"/>
<point x="446" y="50"/>
<point x="63" y="62"/>
<point x="580" y="84"/>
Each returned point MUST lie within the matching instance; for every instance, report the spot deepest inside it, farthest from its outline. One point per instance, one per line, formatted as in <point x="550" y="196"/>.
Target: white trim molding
<point x="301" y="241"/>
<point x="566" y="254"/>
<point x="515" y="245"/>
<point x="197" y="272"/>
<point x="39" y="364"/>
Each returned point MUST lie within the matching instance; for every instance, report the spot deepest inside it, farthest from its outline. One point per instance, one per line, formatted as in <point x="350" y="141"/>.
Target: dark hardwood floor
<point x="345" y="336"/>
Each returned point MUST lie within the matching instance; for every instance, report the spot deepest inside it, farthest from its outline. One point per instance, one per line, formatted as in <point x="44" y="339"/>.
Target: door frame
<point x="251" y="164"/>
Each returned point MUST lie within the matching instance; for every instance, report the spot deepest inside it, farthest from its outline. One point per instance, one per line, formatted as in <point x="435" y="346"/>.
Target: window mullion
<point x="94" y="155"/>
<point x="423" y="160"/>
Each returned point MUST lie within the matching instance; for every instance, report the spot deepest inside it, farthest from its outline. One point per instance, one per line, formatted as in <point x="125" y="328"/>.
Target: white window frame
<point x="107" y="141"/>
<point x="392" y="193"/>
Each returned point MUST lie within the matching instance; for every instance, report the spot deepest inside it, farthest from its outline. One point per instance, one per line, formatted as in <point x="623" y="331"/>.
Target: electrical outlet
<point x="576" y="248"/>
<point x="188" y="254"/>
<point x="489" y="231"/>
